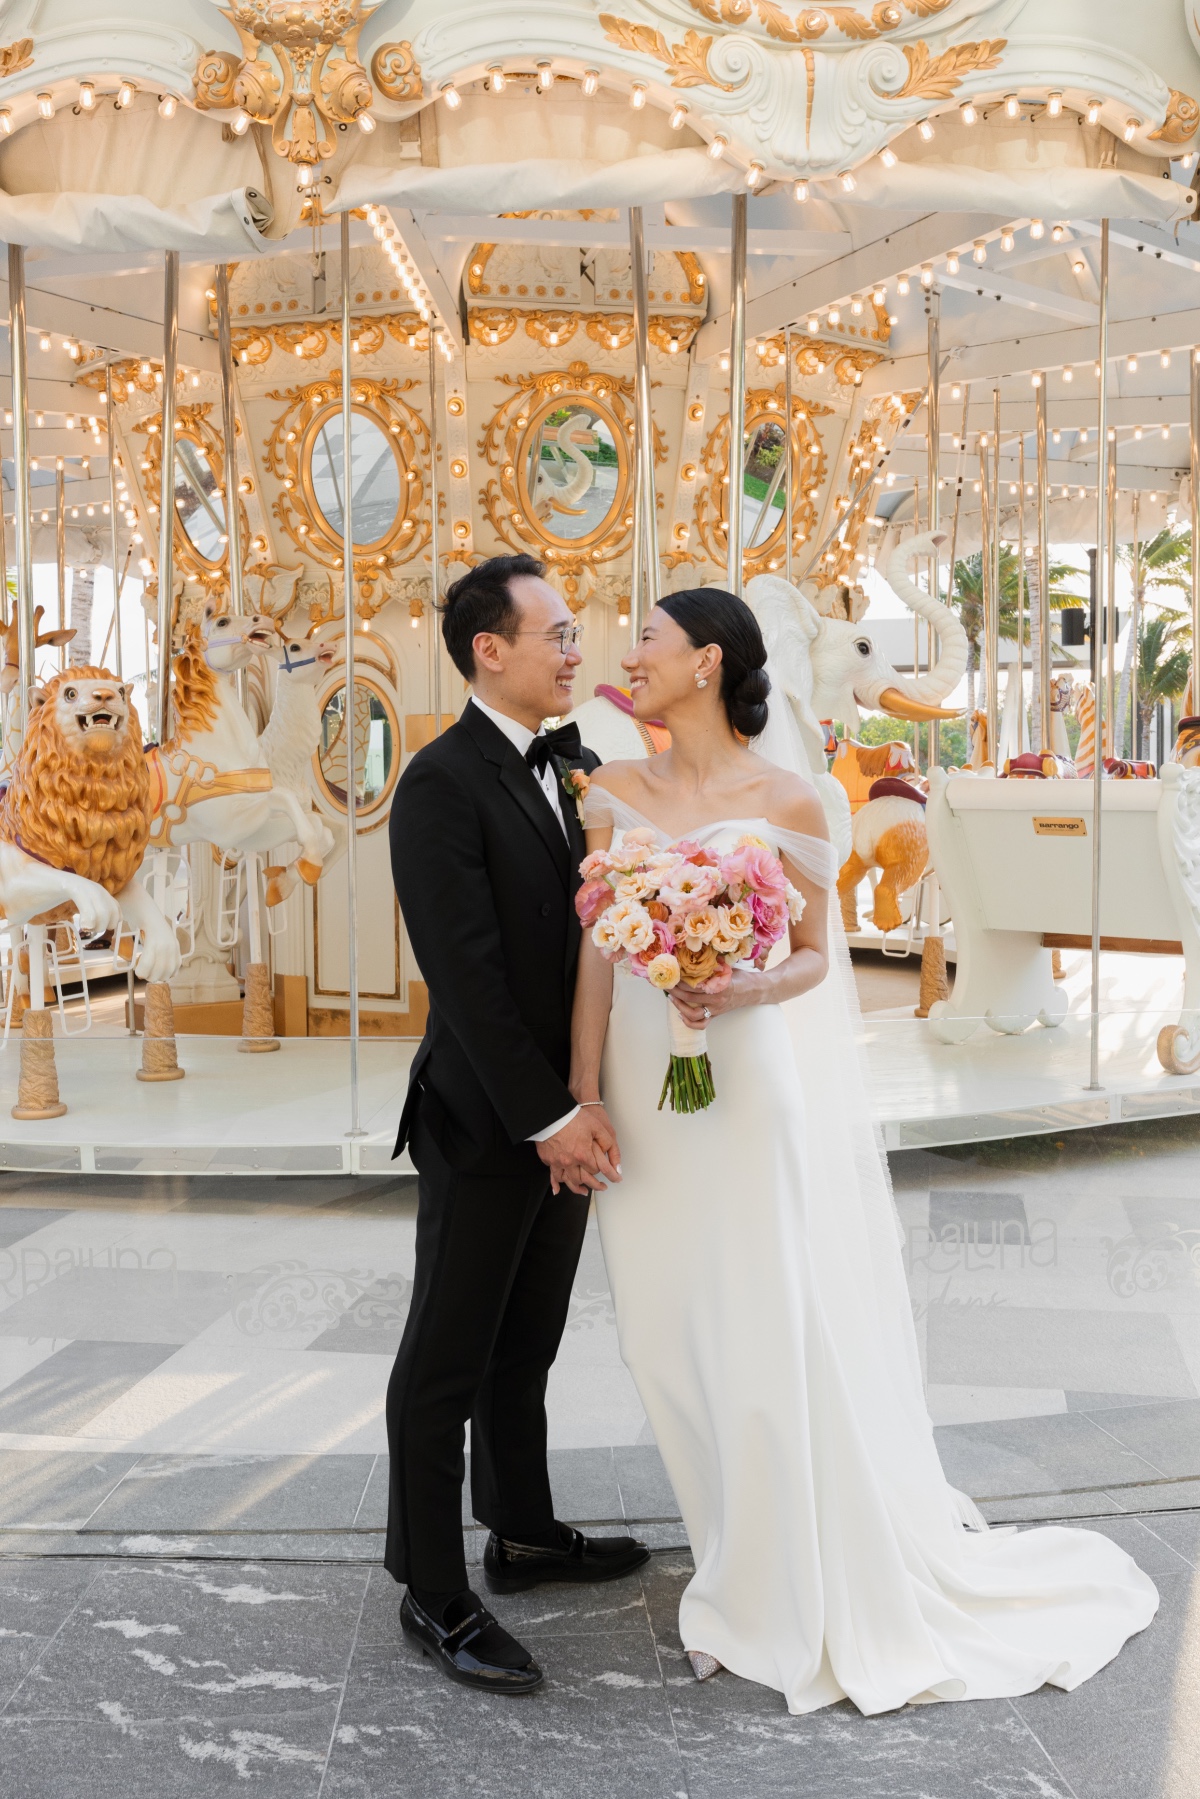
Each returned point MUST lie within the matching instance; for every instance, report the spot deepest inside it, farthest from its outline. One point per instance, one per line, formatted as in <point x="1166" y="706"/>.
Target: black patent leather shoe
<point x="461" y="1650"/>
<point x="511" y="1567"/>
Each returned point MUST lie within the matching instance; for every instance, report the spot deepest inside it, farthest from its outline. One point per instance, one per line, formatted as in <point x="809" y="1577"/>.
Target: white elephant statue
<point x="828" y="668"/>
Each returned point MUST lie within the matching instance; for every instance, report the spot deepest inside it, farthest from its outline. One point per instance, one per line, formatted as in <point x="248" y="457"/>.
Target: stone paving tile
<point x="1168" y="1434"/>
<point x="1035" y="1455"/>
<point x="599" y="1726"/>
<point x="75" y="1384"/>
<point x="56" y="1489"/>
<point x="112" y="1756"/>
<point x="646" y="1490"/>
<point x="36" y="1599"/>
<point x="226" y="1492"/>
<point x="1133" y="1730"/>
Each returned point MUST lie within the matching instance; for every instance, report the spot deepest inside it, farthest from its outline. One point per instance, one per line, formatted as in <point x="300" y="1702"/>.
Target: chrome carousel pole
<point x="433" y="537"/>
<point x="1019" y="671"/>
<point x="166" y="498"/>
<point x="1109" y="639"/>
<point x="737" y="394"/>
<point x="60" y="549"/>
<point x="23" y="533"/>
<point x="985" y="584"/>
<point x="109" y="425"/>
<point x="1194" y="434"/>
<point x="1135" y="616"/>
<point x="643" y="593"/>
<point x="1045" y="720"/>
<point x="233" y="520"/>
<point x="933" y="408"/>
<point x="1097" y="645"/>
<point x="789" y="475"/>
<point x="349" y="714"/>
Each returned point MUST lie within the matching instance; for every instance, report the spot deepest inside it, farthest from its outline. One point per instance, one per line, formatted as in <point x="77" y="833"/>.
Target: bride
<point x="754" y="1257"/>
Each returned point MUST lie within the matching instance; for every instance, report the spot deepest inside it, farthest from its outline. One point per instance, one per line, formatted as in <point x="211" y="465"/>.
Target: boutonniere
<point x="575" y="786"/>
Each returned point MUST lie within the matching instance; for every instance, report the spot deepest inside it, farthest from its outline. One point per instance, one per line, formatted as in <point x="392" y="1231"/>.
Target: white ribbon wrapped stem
<point x="684" y="1040"/>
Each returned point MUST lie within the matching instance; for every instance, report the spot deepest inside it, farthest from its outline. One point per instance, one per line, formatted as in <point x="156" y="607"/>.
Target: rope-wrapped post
<point x="159" y="1059"/>
<point x="258" y="1012"/>
<point x="37" y="1092"/>
<point x="934" y="983"/>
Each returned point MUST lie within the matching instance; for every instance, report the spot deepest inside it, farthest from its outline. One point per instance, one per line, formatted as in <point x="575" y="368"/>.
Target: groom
<point x="486" y="846"/>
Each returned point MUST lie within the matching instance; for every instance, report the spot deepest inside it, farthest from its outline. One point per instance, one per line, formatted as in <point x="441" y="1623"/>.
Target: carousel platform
<point x="288" y="1113"/>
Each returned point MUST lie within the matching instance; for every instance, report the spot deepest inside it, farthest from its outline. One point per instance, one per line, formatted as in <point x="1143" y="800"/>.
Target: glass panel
<point x="764" y="483"/>
<point x="200" y="508"/>
<point x="375" y="747"/>
<point x="572" y="471"/>
<point x="376" y="476"/>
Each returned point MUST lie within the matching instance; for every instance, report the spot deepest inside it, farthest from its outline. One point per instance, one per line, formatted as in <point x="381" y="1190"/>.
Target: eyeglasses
<point x="568" y="638"/>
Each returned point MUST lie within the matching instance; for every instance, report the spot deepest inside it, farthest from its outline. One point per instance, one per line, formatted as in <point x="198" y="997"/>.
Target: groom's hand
<point x="584" y="1155"/>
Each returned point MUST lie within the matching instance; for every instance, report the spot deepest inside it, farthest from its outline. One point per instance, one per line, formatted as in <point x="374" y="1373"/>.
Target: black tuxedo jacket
<point x="486" y="882"/>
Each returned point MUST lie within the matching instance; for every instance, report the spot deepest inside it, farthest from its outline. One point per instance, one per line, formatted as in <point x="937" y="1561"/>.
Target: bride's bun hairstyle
<point x="710" y="615"/>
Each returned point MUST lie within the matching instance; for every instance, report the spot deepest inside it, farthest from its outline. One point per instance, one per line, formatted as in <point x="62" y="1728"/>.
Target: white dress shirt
<point x="520" y="736"/>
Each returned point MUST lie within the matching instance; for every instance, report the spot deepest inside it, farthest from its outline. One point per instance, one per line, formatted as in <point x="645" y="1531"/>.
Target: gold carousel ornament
<point x="309" y="82"/>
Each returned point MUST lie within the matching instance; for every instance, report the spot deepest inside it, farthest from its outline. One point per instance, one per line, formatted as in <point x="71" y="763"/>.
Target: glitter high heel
<point x="704" y="1666"/>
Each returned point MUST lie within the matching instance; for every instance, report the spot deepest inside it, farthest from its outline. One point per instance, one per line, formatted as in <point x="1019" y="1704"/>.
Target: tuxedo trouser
<point x="496" y="1256"/>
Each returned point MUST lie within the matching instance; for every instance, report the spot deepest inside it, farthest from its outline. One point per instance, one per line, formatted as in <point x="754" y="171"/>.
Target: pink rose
<point x="692" y="852"/>
<point x="754" y="867"/>
<point x="591" y="900"/>
<point x="770" y="915"/>
<point x="598" y="863"/>
<point x="686" y="886"/>
<point x="663" y="945"/>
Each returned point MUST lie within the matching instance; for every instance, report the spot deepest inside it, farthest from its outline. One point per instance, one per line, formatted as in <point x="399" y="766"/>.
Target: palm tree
<point x="967" y="595"/>
<point x="1166" y="561"/>
<point x="1163" y="665"/>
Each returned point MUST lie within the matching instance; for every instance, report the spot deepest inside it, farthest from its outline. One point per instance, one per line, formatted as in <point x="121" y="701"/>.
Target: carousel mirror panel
<point x="376" y="747"/>
<point x="199" y="501"/>
<point x="573" y="471"/>
<point x="376" y="471"/>
<point x="764" y="481"/>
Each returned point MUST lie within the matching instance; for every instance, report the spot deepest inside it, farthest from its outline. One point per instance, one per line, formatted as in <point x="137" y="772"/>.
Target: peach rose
<point x="699" y="926"/>
<point x="663" y="972"/>
<point x="605" y="937"/>
<point x="725" y="940"/>
<point x="598" y="863"/>
<point x="795" y="903"/>
<point x="696" y="965"/>
<point x="636" y="885"/>
<point x="633" y="925"/>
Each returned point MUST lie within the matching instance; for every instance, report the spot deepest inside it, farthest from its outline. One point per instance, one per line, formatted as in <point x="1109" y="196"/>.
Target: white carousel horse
<point x="211" y="783"/>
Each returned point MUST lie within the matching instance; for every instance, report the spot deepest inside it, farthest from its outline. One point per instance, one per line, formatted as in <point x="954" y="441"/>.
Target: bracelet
<point x="589" y="1102"/>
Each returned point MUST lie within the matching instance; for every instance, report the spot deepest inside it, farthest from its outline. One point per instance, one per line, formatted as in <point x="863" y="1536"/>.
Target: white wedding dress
<point x="753" y="1252"/>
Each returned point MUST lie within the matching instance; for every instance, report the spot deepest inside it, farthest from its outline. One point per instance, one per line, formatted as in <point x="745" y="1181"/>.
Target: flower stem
<point x="688" y="1083"/>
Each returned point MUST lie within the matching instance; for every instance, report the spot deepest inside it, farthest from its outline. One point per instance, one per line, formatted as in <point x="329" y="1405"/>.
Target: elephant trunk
<point x="948" y="670"/>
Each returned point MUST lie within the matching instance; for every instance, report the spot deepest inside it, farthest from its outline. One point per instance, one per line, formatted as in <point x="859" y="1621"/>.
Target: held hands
<point x="584" y="1156"/>
<point x="745" y="989"/>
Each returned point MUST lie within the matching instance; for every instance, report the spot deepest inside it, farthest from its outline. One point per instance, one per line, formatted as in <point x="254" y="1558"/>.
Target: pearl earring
<point x="701" y="681"/>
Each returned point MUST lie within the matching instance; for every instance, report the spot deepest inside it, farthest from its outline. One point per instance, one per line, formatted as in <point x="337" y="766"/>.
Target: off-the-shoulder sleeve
<point x="813" y="856"/>
<point x="602" y="810"/>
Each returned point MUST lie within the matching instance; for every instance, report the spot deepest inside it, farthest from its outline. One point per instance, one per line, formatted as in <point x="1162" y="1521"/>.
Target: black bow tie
<point x="564" y="742"/>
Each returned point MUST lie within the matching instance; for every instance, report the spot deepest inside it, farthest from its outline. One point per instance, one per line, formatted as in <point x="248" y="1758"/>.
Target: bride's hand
<point x="743" y="990"/>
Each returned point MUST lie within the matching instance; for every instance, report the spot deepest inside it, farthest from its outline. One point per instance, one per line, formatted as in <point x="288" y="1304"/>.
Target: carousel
<point x="880" y="315"/>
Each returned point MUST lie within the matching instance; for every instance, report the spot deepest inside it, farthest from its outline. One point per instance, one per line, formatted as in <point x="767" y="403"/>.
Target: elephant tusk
<point x="898" y="705"/>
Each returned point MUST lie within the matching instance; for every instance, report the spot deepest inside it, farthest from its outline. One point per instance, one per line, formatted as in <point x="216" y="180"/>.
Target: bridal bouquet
<point x="685" y="914"/>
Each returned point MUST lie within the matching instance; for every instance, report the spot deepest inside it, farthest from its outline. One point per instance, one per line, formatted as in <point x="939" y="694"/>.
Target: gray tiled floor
<point x="164" y="1678"/>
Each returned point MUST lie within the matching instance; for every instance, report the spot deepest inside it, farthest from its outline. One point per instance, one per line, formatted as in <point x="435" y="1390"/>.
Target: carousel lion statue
<point x="75" y="817"/>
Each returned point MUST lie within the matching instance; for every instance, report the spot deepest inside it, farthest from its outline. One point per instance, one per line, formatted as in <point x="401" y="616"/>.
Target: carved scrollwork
<point x="1182" y="118"/>
<point x="936" y="77"/>
<point x="200" y="487"/>
<point x="686" y="63"/>
<point x="309" y="412"/>
<point x="397" y="72"/>
<point x="15" y="57"/>
<point x="765" y="549"/>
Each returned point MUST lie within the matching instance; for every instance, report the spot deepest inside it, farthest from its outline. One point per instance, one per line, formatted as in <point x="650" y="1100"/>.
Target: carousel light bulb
<point x="1012" y="107"/>
<point x="39" y="419"/>
<point x="1188" y="162"/>
<point x="1057" y="436"/>
<point x="1068" y="373"/>
<point x="451" y="96"/>
<point x="925" y="129"/>
<point x="952" y="264"/>
<point x="856" y="305"/>
<point x="813" y="326"/>
<point x="902" y="284"/>
<point x="888" y="157"/>
<point x="926" y="274"/>
<point x="1164" y="360"/>
<point x="125" y="93"/>
<point x="1058" y="233"/>
<point x="637" y="96"/>
<point x="45" y="105"/>
<point x="1036" y="228"/>
<point x="497" y="78"/>
<point x="1166" y="432"/>
<point x="365" y="121"/>
<point x="1093" y="111"/>
<point x="956" y="394"/>
<point x="679" y="113"/>
<point x="545" y="76"/>
<point x="1131" y="129"/>
<point x="239" y="124"/>
<point x="967" y="113"/>
<point x="979" y="253"/>
<point x="718" y="147"/>
<point x="835" y="317"/>
<point x="754" y="174"/>
<point x="168" y="106"/>
<point x="1083" y="435"/>
<point x="1137" y="434"/>
<point x="1036" y="380"/>
<point x="799" y="192"/>
<point x="1007" y="240"/>
<point x="43" y="342"/>
<point x="87" y="96"/>
<point x="591" y="82"/>
<point x="879" y="296"/>
<point x="6" y="120"/>
<point x="1054" y="105"/>
<point x="1131" y="365"/>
